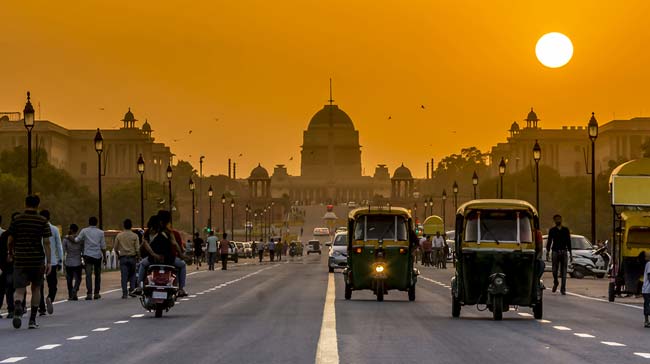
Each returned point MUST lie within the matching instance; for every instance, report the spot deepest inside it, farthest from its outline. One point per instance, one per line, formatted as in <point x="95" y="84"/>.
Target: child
<point x="646" y="290"/>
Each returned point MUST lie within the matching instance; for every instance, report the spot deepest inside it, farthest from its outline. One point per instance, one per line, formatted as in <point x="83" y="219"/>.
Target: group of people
<point x="215" y="249"/>
<point x="434" y="251"/>
<point x="275" y="247"/>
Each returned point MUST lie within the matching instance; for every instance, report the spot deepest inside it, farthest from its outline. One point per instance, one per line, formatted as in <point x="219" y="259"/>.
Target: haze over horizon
<point x="212" y="67"/>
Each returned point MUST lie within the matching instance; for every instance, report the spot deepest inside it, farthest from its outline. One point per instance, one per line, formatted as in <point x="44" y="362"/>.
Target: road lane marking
<point x="48" y="347"/>
<point x="586" y="336"/>
<point x="603" y="300"/>
<point x="544" y="321"/>
<point x="612" y="343"/>
<point x="643" y="355"/>
<point x="185" y="299"/>
<point x="192" y="296"/>
<point x="101" y="329"/>
<point x="524" y="314"/>
<point x="327" y="351"/>
<point x="75" y="338"/>
<point x="14" y="359"/>
<point x="137" y="315"/>
<point x="562" y="328"/>
<point x="121" y="322"/>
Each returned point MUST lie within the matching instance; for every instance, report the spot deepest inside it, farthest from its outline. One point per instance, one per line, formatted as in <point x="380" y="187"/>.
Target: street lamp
<point x="223" y="213"/>
<point x="475" y="183"/>
<point x="415" y="211"/>
<point x="192" y="187"/>
<point x="210" y="194"/>
<point x="455" y="189"/>
<point x="232" y="219"/>
<point x="99" y="148"/>
<point x="263" y="221"/>
<point x="426" y="208"/>
<point x="246" y="223"/>
<point x="169" y="181"/>
<point x="537" y="156"/>
<point x="502" y="171"/>
<point x="444" y="206"/>
<point x="141" y="171"/>
<point x="28" y="118"/>
<point x="593" y="134"/>
<point x="431" y="205"/>
<point x="255" y="223"/>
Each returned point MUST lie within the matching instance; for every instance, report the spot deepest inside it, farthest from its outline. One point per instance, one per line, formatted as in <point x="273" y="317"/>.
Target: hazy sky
<point x="262" y="68"/>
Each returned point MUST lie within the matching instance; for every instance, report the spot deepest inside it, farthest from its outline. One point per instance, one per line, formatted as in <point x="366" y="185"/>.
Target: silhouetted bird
<point x="190" y="132"/>
<point x="291" y="158"/>
<point x="101" y="108"/>
<point x="390" y="117"/>
<point x="241" y="154"/>
<point x="422" y="106"/>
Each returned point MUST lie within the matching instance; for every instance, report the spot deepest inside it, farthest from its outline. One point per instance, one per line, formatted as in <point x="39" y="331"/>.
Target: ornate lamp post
<point x="415" y="211"/>
<point x="232" y="219"/>
<point x="593" y="134"/>
<point x="28" y="118"/>
<point x="455" y="189"/>
<point x="426" y="208"/>
<point x="192" y="187"/>
<point x="537" y="156"/>
<point x="255" y="223"/>
<point x="444" y="206"/>
<point x="475" y="183"/>
<point x="502" y="171"/>
<point x="246" y="223"/>
<point x="263" y="222"/>
<point x="223" y="213"/>
<point x="210" y="194"/>
<point x="431" y="205"/>
<point x="141" y="171"/>
<point x="99" y="148"/>
<point x="169" y="181"/>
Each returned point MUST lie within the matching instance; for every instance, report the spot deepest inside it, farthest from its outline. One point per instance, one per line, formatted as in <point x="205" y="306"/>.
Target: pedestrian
<point x="253" y="249"/>
<point x="224" y="246"/>
<point x="198" y="250"/>
<point x="445" y="254"/>
<point x="271" y="249"/>
<point x="260" y="250"/>
<point x="57" y="263"/>
<point x="94" y="251"/>
<point x="559" y="241"/>
<point x="645" y="290"/>
<point x="6" y="275"/>
<point x="29" y="250"/>
<point x="438" y="243"/>
<point x="427" y="250"/>
<point x="212" y="243"/>
<point x="127" y="248"/>
<point x="278" y="247"/>
<point x="73" y="268"/>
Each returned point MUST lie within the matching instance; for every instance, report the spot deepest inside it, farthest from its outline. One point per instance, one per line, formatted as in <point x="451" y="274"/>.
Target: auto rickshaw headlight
<point x="358" y="250"/>
<point x="402" y="250"/>
<point x="498" y="281"/>
<point x="379" y="268"/>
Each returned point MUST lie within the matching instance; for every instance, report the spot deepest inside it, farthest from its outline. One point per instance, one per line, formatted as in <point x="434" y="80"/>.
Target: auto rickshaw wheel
<point x="380" y="290"/>
<point x="348" y="292"/>
<point x="611" y="291"/>
<point x="159" y="312"/>
<point x="497" y="307"/>
<point x="538" y="310"/>
<point x="455" y="307"/>
<point x="412" y="293"/>
<point x="331" y="270"/>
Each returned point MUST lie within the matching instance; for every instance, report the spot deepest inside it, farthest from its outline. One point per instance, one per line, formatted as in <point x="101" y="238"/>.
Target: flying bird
<point x="390" y="117"/>
<point x="176" y="140"/>
<point x="190" y="132"/>
<point x="291" y="158"/>
<point x="101" y="108"/>
<point x="216" y="119"/>
<point x="422" y="106"/>
<point x="241" y="154"/>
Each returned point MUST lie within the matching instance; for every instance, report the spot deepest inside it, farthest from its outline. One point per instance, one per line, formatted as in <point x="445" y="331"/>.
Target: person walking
<point x="93" y="253"/>
<point x="278" y="247"/>
<point x="260" y="250"/>
<point x="271" y="249"/>
<point x="559" y="242"/>
<point x="198" y="250"/>
<point x="72" y="250"/>
<point x="427" y="250"/>
<point x="212" y="250"/>
<point x="224" y="246"/>
<point x="6" y="275"/>
<point x="127" y="248"/>
<point x="57" y="263"/>
<point x="29" y="250"/>
<point x="438" y="244"/>
<point x="645" y="290"/>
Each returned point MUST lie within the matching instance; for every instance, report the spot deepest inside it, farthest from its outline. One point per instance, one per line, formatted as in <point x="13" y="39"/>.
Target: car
<point x="313" y="246"/>
<point x="232" y="252"/>
<point x="248" y="250"/>
<point x="241" y="250"/>
<point x="352" y="204"/>
<point x="579" y="246"/>
<point x="338" y="252"/>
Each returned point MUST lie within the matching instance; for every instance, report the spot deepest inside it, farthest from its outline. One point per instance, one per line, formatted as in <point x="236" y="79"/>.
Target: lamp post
<point x="475" y="183"/>
<point x="263" y="223"/>
<point x="141" y="171"/>
<point x="271" y="217"/>
<point x="210" y="194"/>
<point x="455" y="189"/>
<point x="28" y="118"/>
<point x="246" y="223"/>
<point x="254" y="222"/>
<point x="223" y="213"/>
<point x="415" y="211"/>
<point x="99" y="148"/>
<point x="426" y="208"/>
<point x="537" y="156"/>
<point x="444" y="206"/>
<point x="169" y="181"/>
<point x="502" y="171"/>
<point x="593" y="134"/>
<point x="192" y="187"/>
<point x="431" y="205"/>
<point x="232" y="219"/>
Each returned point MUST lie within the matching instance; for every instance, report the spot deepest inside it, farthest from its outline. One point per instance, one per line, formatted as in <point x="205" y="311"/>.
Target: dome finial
<point x="331" y="101"/>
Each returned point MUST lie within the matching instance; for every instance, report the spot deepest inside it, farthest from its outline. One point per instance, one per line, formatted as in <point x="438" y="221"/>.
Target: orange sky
<point x="262" y="67"/>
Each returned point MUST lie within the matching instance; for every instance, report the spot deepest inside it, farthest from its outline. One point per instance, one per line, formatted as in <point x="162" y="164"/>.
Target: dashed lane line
<point x="585" y="336"/>
<point x="138" y="315"/>
<point x="48" y="347"/>
<point x="14" y="359"/>
<point x="101" y="329"/>
<point x="643" y="355"/>
<point x="76" y="338"/>
<point x="612" y="343"/>
<point x="121" y="322"/>
<point x="562" y="328"/>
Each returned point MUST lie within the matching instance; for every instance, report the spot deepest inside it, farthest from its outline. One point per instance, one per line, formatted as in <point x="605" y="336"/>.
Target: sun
<point x="554" y="50"/>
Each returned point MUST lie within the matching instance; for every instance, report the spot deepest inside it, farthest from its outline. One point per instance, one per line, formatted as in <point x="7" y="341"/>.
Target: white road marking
<point x="643" y="355"/>
<point x="544" y="321"/>
<point x="101" y="329"/>
<point x="121" y="322"/>
<point x="14" y="359"/>
<point x="185" y="299"/>
<point x="612" y="343"/>
<point x="192" y="296"/>
<point x="48" y="347"/>
<point x="327" y="351"/>
<point x="524" y="314"/>
<point x="605" y="301"/>
<point x="562" y="328"/>
<point x="200" y="293"/>
<point x="137" y="315"/>
<point x="74" y="338"/>
<point x="586" y="336"/>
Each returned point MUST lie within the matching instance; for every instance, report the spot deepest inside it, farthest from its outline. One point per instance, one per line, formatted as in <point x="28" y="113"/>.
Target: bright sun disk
<point x="554" y="50"/>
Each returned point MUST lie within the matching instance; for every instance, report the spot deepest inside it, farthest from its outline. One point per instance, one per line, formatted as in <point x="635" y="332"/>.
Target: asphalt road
<point x="274" y="313"/>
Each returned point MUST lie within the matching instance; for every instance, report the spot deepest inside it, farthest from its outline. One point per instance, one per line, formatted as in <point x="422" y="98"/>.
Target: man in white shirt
<point x="93" y="254"/>
<point x="646" y="290"/>
<point x="212" y="249"/>
<point x="438" y="244"/>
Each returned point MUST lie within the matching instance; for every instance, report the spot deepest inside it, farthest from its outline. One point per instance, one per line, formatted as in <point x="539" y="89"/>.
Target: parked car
<point x="581" y="248"/>
<point x="248" y="250"/>
<point x="232" y="252"/>
<point x="338" y="252"/>
<point x="240" y="249"/>
<point x="313" y="246"/>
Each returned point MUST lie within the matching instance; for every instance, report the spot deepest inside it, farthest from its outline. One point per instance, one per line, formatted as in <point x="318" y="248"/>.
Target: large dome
<point x="338" y="117"/>
<point x="402" y="172"/>
<point x="259" y="172"/>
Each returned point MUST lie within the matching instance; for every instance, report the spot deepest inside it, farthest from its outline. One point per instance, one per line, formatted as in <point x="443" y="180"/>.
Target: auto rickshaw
<point x="379" y="252"/>
<point x="498" y="257"/>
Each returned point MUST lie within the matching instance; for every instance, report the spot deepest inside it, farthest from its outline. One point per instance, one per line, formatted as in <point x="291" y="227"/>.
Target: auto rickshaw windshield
<point x="639" y="236"/>
<point x="498" y="226"/>
<point x="376" y="227"/>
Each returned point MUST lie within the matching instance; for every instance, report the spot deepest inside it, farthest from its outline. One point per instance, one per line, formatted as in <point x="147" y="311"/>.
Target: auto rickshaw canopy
<point x="629" y="183"/>
<point x="433" y="224"/>
<point x="379" y="210"/>
<point x="496" y="204"/>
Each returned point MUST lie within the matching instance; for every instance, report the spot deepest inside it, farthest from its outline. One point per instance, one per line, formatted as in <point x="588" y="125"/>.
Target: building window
<point x="84" y="168"/>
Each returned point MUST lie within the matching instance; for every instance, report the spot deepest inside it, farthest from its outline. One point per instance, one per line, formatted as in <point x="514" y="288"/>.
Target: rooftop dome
<point x="146" y="126"/>
<point x="402" y="173"/>
<point x="514" y="126"/>
<point x="339" y="118"/>
<point x="259" y="172"/>
<point x="531" y="116"/>
<point x="129" y="116"/>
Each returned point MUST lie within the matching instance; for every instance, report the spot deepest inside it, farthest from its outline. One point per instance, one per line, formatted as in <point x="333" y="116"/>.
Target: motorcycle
<point x="160" y="289"/>
<point x="293" y="250"/>
<point x="595" y="263"/>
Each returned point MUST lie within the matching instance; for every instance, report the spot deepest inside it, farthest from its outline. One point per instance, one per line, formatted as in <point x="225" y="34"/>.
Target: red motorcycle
<point x="160" y="289"/>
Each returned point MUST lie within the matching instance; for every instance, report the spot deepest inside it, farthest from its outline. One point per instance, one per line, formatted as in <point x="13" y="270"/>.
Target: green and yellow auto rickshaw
<point x="380" y="252"/>
<point x="498" y="257"/>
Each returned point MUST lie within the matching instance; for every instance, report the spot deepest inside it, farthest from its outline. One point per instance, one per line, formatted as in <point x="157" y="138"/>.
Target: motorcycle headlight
<point x="379" y="268"/>
<point x="498" y="281"/>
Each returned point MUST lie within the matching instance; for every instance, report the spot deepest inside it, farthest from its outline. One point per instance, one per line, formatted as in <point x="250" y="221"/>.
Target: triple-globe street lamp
<point x="592" y="128"/>
<point x="192" y="188"/>
<point x="210" y="194"/>
<point x="28" y="119"/>
<point x="141" y="172"/>
<point x="537" y="156"/>
<point x="99" y="148"/>
<point x="475" y="183"/>
<point x="169" y="181"/>
<point x="455" y="189"/>
<point x="502" y="171"/>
